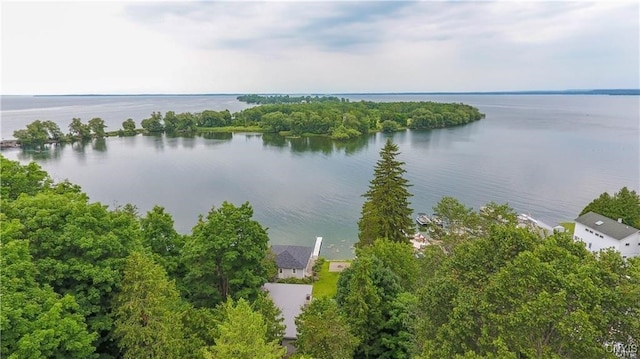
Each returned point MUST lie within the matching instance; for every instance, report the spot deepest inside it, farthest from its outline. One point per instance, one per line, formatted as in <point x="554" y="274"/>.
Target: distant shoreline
<point x="611" y="92"/>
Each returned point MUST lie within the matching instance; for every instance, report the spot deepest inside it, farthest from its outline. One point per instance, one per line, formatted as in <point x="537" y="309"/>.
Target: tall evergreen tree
<point x="147" y="313"/>
<point x="386" y="212"/>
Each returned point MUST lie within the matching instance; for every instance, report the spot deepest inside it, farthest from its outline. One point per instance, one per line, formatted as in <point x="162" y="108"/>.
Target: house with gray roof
<point x="599" y="232"/>
<point x="293" y="261"/>
<point x="291" y="299"/>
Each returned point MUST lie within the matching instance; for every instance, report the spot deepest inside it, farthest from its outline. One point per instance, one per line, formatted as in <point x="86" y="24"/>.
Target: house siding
<point x="288" y="273"/>
<point x="596" y="241"/>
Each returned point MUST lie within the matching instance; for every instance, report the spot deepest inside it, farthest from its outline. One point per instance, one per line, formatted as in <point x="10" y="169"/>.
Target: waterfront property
<point x="293" y="261"/>
<point x="599" y="232"/>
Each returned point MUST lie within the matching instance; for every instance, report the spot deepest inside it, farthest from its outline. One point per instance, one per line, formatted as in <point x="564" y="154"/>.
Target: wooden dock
<point x="316" y="249"/>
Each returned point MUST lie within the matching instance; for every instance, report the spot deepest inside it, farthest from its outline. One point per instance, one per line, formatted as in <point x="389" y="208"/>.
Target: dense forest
<point x="81" y="280"/>
<point x="325" y="116"/>
<point x="260" y="100"/>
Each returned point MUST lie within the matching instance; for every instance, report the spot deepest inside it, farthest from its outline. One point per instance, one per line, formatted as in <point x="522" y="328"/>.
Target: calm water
<point x="546" y="155"/>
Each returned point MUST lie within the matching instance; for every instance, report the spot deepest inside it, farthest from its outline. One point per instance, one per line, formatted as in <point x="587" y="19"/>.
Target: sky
<point x="305" y="47"/>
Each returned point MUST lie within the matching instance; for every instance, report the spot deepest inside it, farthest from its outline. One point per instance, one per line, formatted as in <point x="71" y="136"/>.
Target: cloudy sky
<point x="317" y="47"/>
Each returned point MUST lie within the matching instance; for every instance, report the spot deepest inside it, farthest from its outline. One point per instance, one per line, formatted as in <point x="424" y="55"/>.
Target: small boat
<point x="423" y="219"/>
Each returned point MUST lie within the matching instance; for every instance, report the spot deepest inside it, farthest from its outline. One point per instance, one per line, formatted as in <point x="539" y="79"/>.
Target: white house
<point x="293" y="261"/>
<point x="599" y="232"/>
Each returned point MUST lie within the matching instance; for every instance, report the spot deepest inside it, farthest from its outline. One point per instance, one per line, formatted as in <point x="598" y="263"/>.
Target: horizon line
<point x="602" y="91"/>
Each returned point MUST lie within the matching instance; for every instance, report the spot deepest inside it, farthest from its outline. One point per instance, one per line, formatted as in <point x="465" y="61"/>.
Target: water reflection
<point x="217" y="135"/>
<point x="324" y="145"/>
<point x="99" y="144"/>
<point x="273" y="139"/>
<point x="50" y="152"/>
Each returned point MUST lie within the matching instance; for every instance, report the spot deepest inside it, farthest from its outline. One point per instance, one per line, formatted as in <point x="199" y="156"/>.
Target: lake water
<point x="544" y="155"/>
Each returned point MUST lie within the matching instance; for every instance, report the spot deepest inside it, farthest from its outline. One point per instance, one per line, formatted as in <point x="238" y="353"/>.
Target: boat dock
<point x="316" y="249"/>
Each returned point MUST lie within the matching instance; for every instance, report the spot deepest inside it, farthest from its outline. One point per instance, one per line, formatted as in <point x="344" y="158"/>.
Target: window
<point x="280" y="270"/>
<point x="586" y="230"/>
<point x="627" y="244"/>
<point x="589" y="245"/>
<point x="293" y="271"/>
<point x="590" y="231"/>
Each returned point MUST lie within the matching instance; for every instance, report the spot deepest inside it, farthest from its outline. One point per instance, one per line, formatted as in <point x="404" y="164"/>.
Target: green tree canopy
<point x="97" y="126"/>
<point x="272" y="316"/>
<point x="323" y="332"/>
<point x="78" y="248"/>
<point x="523" y="296"/>
<point x="160" y="236"/>
<point x="369" y="295"/>
<point x="148" y="321"/>
<point x="37" y="133"/>
<point x="36" y="321"/>
<point x="624" y="204"/>
<point x="18" y="179"/>
<point x="242" y="335"/>
<point x="79" y="130"/>
<point x="386" y="213"/>
<point x="153" y="124"/>
<point x="129" y="127"/>
<point x="225" y="256"/>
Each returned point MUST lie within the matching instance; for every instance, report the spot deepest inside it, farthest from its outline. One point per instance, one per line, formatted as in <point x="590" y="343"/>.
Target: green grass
<point x="326" y="285"/>
<point x="569" y="226"/>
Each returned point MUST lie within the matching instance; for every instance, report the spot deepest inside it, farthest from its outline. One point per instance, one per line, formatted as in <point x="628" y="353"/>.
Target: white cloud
<point x="338" y="46"/>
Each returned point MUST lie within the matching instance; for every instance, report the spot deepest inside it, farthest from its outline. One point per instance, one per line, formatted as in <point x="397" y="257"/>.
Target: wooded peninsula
<point x="337" y="118"/>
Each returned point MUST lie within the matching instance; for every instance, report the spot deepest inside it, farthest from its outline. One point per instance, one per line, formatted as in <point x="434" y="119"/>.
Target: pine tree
<point x="386" y="212"/>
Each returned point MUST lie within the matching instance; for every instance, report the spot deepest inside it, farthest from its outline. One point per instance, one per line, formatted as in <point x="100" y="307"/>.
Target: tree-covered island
<point x="339" y="119"/>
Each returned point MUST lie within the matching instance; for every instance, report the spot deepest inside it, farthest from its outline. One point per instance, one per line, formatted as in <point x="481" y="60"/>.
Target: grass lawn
<point x="326" y="284"/>
<point x="569" y="226"/>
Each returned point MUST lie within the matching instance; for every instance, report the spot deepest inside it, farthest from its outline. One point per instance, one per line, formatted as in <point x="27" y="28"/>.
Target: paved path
<point x="338" y="266"/>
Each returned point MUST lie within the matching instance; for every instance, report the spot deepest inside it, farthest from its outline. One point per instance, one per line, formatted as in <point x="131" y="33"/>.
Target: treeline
<point x="38" y="133"/>
<point x="343" y="120"/>
<point x="82" y="281"/>
<point x="624" y="204"/>
<point x="261" y="100"/>
<point x="337" y="119"/>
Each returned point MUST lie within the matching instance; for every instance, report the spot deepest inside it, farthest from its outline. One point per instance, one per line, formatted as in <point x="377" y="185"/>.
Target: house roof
<point x="292" y="256"/>
<point x="606" y="225"/>
<point x="290" y="298"/>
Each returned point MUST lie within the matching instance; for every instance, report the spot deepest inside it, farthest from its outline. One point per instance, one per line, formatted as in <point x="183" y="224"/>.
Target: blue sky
<point x="317" y="47"/>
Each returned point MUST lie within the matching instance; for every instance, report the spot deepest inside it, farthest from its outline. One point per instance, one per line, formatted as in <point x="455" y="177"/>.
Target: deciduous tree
<point x="624" y="204"/>
<point x="225" y="256"/>
<point x="79" y="130"/>
<point x="36" y="321"/>
<point x="97" y="126"/>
